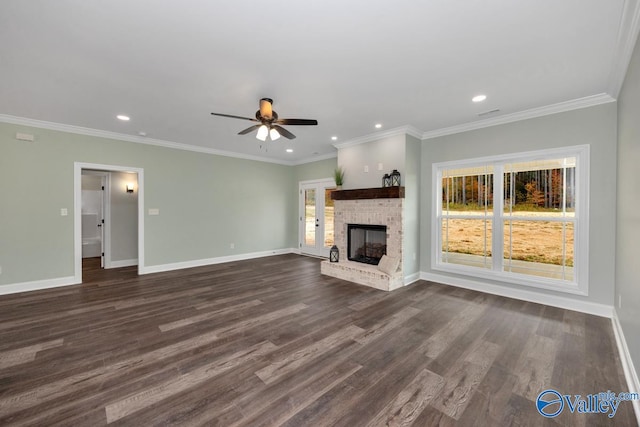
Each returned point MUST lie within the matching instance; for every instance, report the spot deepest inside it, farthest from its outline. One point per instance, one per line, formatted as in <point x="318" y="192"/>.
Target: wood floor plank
<point x="144" y="398"/>
<point x="411" y="401"/>
<point x="18" y="356"/>
<point x="532" y="368"/>
<point x="208" y="315"/>
<point x="463" y="379"/>
<point x="270" y="341"/>
<point x="306" y="354"/>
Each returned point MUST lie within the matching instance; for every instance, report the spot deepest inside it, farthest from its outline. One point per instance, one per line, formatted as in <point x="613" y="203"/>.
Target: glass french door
<point x="316" y="217"/>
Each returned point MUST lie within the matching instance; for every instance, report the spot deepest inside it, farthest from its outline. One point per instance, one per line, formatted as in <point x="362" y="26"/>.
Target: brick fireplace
<point x="375" y="207"/>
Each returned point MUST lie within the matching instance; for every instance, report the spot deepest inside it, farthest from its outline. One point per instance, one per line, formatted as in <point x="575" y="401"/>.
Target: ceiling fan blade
<point x="249" y="129"/>
<point x="234" y="117"/>
<point x="265" y="108"/>
<point x="297" y="122"/>
<point x="284" y="132"/>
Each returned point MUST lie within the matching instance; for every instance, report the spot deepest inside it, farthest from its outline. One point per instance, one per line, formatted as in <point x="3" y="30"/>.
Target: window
<point x="519" y="218"/>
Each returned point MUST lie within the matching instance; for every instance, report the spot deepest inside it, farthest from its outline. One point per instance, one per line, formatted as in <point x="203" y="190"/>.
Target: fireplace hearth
<point x="366" y="243"/>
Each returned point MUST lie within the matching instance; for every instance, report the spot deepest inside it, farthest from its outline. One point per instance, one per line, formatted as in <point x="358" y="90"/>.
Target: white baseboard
<point x="122" y="263"/>
<point x="411" y="278"/>
<point x="630" y="372"/>
<point x="37" y="285"/>
<point x="521" y="294"/>
<point x="210" y="261"/>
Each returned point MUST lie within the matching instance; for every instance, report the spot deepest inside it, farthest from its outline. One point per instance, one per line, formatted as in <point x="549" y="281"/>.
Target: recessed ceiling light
<point x="289" y="150"/>
<point x="479" y="98"/>
<point x="334" y="138"/>
<point x="123" y="117"/>
<point x="378" y="125"/>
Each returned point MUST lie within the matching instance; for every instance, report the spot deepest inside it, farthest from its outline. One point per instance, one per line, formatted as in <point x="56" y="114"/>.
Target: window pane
<point x="539" y="248"/>
<point x="467" y="191"/>
<point x="310" y="217"/>
<point x="328" y="218"/>
<point x="543" y="188"/>
<point x="466" y="242"/>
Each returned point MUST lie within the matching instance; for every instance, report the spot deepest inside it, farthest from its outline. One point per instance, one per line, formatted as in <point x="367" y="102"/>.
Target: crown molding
<point x="403" y="130"/>
<point x="317" y="158"/>
<point x="627" y="36"/>
<point x="575" y="104"/>
<point x="22" y="121"/>
<point x="588" y="101"/>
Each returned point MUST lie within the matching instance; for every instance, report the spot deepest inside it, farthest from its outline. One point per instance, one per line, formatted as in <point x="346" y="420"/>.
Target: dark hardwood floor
<point x="272" y="342"/>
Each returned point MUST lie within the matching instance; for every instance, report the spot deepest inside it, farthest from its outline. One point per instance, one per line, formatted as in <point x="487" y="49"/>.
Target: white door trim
<point x="77" y="212"/>
<point x="317" y="183"/>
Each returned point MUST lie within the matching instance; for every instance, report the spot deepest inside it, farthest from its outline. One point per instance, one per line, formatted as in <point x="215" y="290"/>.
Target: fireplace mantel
<point x="369" y="193"/>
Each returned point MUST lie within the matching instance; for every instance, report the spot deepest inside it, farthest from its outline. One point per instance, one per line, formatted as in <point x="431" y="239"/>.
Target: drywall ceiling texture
<point x="349" y="65"/>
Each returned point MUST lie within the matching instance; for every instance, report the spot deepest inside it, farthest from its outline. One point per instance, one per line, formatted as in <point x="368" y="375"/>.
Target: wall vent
<point x="486" y="113"/>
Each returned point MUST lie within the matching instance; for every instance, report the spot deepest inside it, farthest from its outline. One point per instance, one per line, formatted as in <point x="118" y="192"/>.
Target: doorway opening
<point x="108" y="217"/>
<point x="316" y="217"/>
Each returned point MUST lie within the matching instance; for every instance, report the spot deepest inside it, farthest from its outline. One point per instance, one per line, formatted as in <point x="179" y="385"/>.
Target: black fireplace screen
<point x="366" y="243"/>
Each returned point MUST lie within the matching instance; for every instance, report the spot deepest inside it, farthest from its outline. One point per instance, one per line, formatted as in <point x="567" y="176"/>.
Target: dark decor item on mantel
<point x="395" y="178"/>
<point x="386" y="180"/>
<point x="334" y="254"/>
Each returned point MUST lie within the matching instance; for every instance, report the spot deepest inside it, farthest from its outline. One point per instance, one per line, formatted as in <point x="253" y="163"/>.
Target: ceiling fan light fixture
<point x="263" y="132"/>
<point x="274" y="134"/>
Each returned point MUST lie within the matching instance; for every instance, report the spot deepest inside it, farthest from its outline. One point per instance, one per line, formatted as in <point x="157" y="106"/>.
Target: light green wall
<point x="315" y="170"/>
<point x="628" y="209"/>
<point x="411" y="212"/>
<point x="206" y="202"/>
<point x="595" y="126"/>
<point x="123" y="226"/>
<point x="390" y="151"/>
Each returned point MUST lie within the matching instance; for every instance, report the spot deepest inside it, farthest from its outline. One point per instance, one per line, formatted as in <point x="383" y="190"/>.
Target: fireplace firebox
<point x="366" y="243"/>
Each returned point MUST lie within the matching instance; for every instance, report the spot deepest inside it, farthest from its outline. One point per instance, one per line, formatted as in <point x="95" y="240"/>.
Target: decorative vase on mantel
<point x="338" y="176"/>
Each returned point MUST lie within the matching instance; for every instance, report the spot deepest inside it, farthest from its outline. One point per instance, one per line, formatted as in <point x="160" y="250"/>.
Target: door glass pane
<point x="539" y="248"/>
<point x="328" y="218"/>
<point x="310" y="217"/>
<point x="467" y="242"/>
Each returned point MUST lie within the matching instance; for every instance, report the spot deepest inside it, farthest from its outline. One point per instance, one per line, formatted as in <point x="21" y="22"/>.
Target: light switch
<point x="366" y="168"/>
<point x="154" y="211"/>
<point x="64" y="212"/>
<point x="380" y="166"/>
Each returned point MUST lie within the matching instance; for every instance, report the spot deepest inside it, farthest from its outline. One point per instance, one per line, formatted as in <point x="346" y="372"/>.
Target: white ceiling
<point x="348" y="64"/>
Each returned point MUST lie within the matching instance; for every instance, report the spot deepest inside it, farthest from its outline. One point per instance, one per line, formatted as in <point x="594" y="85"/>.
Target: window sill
<point x="514" y="279"/>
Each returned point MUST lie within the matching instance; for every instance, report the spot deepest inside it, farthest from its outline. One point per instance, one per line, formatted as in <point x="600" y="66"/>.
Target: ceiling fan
<point x="269" y="123"/>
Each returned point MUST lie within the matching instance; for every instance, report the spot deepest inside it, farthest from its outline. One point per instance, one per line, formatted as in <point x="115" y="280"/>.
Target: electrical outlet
<point x="366" y="168"/>
<point x="232" y="245"/>
<point x="380" y="166"/>
<point x="64" y="212"/>
<point x="154" y="211"/>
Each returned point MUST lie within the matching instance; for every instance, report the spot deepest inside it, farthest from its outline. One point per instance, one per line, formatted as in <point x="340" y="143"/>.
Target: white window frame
<point x="580" y="283"/>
